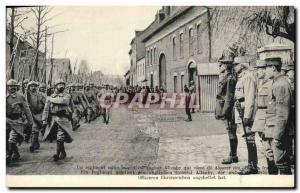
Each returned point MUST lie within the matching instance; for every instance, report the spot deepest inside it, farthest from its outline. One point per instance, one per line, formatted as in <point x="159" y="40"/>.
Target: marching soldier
<point x="43" y="88"/>
<point x="245" y="92"/>
<point x="92" y="101"/>
<point x="24" y="86"/>
<point x="15" y="105"/>
<point x="108" y="103"/>
<point x="224" y="107"/>
<point x="278" y="115"/>
<point x="57" y="118"/>
<point x="78" y="106"/>
<point x="36" y="102"/>
<point x="263" y="89"/>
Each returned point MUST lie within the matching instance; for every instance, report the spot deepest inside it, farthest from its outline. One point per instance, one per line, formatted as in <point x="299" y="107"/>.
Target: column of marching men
<point x="34" y="112"/>
<point x="259" y="102"/>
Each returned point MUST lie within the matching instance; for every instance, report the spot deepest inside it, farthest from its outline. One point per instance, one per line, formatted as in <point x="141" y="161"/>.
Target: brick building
<point x="184" y="45"/>
<point x="24" y="59"/>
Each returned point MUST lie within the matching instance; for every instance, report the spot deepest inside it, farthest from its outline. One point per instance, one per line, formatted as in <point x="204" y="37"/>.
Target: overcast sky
<point x="101" y="35"/>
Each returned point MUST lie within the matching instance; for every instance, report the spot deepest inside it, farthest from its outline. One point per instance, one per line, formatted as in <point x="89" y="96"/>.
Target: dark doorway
<point x="162" y="72"/>
<point x="191" y="73"/>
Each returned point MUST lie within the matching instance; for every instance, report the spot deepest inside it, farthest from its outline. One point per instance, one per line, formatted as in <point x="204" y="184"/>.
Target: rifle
<point x="240" y="111"/>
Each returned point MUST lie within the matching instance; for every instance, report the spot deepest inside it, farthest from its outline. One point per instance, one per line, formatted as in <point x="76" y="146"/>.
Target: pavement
<point x="141" y="141"/>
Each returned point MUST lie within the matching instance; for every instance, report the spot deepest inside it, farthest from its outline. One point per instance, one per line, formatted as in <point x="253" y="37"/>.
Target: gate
<point x="208" y="85"/>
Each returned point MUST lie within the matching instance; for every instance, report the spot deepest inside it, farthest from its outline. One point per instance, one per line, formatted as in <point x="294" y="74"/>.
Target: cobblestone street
<point x="140" y="138"/>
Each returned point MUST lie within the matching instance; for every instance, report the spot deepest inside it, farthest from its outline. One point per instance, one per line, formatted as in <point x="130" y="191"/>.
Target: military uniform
<point x="57" y="115"/>
<point x="292" y="120"/>
<point x="245" y="93"/>
<point x="108" y="99"/>
<point x="36" y="102"/>
<point x="224" y="108"/>
<point x="16" y="105"/>
<point x="277" y="118"/>
<point x="91" y="112"/>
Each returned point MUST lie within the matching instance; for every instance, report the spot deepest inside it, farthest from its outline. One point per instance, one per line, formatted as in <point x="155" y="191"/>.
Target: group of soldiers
<point x="259" y="101"/>
<point x="54" y="113"/>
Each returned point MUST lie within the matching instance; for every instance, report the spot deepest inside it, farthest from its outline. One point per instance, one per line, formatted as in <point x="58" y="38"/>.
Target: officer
<point x="225" y="102"/>
<point x="36" y="102"/>
<point x="262" y="92"/>
<point x="289" y="71"/>
<point x="57" y="118"/>
<point x="278" y="115"/>
<point x="43" y="88"/>
<point x="15" y="105"/>
<point x="245" y="93"/>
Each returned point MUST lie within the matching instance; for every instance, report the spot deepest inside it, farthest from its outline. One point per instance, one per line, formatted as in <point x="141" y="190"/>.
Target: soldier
<point x="263" y="89"/>
<point x="57" y="118"/>
<point x="108" y="103"/>
<point x="224" y="107"/>
<point x="15" y="106"/>
<point x="36" y="102"/>
<point x="187" y="103"/>
<point x="78" y="107"/>
<point x="24" y="86"/>
<point x="92" y="102"/>
<point x="245" y="93"/>
<point x="193" y="91"/>
<point x="43" y="88"/>
<point x="289" y="71"/>
<point x="278" y="115"/>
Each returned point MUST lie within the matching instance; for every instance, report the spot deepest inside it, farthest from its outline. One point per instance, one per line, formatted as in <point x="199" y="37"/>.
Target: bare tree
<point x="16" y="17"/>
<point x="41" y="15"/>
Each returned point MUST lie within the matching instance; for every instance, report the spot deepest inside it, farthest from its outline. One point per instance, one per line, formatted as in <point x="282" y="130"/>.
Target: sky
<point x="99" y="34"/>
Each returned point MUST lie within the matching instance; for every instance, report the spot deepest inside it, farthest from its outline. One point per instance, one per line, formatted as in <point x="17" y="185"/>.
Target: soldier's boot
<point x="285" y="171"/>
<point x="104" y="117"/>
<point x="34" y="142"/>
<point x="63" y="153"/>
<point x="15" y="156"/>
<point x="252" y="157"/>
<point x="107" y="119"/>
<point x="9" y="153"/>
<point x="233" y="158"/>
<point x="272" y="168"/>
<point x="58" y="150"/>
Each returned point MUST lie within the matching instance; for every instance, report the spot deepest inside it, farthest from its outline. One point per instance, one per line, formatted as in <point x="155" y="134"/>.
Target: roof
<point x="166" y="22"/>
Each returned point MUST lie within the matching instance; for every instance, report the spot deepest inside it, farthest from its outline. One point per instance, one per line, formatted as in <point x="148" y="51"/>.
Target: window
<point x="174" y="47"/>
<point x="181" y="82"/>
<point x="151" y="80"/>
<point x="151" y="56"/>
<point x="154" y="55"/>
<point x="175" y="84"/>
<point x="198" y="38"/>
<point x="181" y="45"/>
<point x="191" y="41"/>
<point x="148" y="59"/>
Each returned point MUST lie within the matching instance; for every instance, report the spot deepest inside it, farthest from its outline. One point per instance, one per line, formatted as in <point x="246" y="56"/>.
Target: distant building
<point x="24" y="59"/>
<point x="58" y="68"/>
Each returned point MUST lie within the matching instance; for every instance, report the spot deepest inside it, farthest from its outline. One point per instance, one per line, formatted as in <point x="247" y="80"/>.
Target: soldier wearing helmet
<point x="43" y="88"/>
<point x="36" y="101"/>
<point x="16" y="105"/>
<point x="57" y="118"/>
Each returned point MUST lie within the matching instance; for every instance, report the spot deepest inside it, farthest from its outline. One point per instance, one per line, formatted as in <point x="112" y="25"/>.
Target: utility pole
<point x="51" y="61"/>
<point x="35" y="77"/>
<point x="43" y="79"/>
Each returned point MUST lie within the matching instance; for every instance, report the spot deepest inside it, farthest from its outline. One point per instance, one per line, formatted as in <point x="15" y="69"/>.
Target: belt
<point x="262" y="107"/>
<point x="241" y="99"/>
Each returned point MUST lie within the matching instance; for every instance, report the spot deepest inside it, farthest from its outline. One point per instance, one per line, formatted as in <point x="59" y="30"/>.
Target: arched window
<point x="174" y="47"/>
<point x="181" y="45"/>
